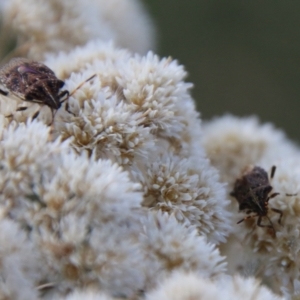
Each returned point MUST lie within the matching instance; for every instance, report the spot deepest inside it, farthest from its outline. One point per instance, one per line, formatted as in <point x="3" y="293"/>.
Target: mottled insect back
<point x="33" y="82"/>
<point x="252" y="191"/>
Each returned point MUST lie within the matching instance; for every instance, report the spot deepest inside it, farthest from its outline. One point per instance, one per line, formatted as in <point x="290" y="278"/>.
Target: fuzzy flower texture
<point x="123" y="193"/>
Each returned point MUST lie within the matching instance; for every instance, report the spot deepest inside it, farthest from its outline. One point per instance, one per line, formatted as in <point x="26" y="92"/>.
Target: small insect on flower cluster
<point x="252" y="191"/>
<point x="33" y="82"/>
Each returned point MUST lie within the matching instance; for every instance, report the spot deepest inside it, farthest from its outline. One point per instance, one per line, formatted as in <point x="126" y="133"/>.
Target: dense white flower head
<point x="62" y="201"/>
<point x="270" y="253"/>
<point x="191" y="192"/>
<point x="51" y="26"/>
<point x="275" y="253"/>
<point x="19" y="259"/>
<point x="84" y="222"/>
<point x="136" y="108"/>
<point x="177" y="247"/>
<point x="185" y="286"/>
<point x="232" y="144"/>
<point x="121" y="192"/>
<point x="87" y="295"/>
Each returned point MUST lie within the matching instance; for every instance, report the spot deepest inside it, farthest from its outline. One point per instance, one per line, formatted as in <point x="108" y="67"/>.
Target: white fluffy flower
<point x="105" y="128"/>
<point x="176" y="247"/>
<point x="87" y="295"/>
<point x="276" y="253"/>
<point x="84" y="219"/>
<point x="135" y="111"/>
<point x="185" y="286"/>
<point x="19" y="268"/>
<point x="270" y="253"/>
<point x="191" y="192"/>
<point x="146" y="85"/>
<point x="233" y="143"/>
<point x="51" y="26"/>
<point x="118" y="194"/>
<point x="29" y="167"/>
<point x="63" y="201"/>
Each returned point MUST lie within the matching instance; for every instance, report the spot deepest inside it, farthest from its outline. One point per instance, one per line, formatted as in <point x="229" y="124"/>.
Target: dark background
<point x="242" y="56"/>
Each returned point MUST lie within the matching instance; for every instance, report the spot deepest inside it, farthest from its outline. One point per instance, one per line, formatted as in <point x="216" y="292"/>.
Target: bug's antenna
<point x="72" y="93"/>
<point x="81" y="84"/>
<point x="75" y="90"/>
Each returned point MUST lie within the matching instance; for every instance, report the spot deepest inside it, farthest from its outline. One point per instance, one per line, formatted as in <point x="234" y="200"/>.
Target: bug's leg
<point x="3" y="93"/>
<point x="261" y="225"/>
<point x="21" y="108"/>
<point x="246" y="218"/>
<point x="35" y="115"/>
<point x="266" y="204"/>
<point x="63" y="94"/>
<point x="291" y="195"/>
<point x="272" y="196"/>
<point x="67" y="108"/>
<point x="279" y="212"/>
<point x="273" y="171"/>
<point x="53" y="115"/>
<point x="52" y="123"/>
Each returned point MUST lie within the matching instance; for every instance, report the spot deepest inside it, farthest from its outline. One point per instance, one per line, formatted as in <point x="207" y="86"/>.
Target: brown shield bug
<point x="33" y="82"/>
<point x="252" y="191"/>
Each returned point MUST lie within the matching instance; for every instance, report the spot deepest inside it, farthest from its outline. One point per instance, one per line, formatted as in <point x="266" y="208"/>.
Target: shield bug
<point x="33" y="82"/>
<point x="252" y="191"/>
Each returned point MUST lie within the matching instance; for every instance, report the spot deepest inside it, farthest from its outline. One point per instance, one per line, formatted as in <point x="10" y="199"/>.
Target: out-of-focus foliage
<point x="242" y="56"/>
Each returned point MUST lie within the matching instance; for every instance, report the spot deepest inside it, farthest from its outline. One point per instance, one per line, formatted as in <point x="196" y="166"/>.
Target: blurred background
<point x="242" y="56"/>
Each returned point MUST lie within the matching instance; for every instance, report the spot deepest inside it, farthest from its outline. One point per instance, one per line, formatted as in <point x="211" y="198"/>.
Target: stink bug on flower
<point x="33" y="82"/>
<point x="252" y="191"/>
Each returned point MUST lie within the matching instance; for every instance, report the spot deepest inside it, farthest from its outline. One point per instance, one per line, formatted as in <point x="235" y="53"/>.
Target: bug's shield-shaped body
<point x="31" y="81"/>
<point x="252" y="190"/>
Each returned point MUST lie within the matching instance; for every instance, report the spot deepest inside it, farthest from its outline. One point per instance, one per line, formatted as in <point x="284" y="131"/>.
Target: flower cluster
<point x="122" y="192"/>
<point x="73" y="222"/>
<point x="139" y="114"/>
<point x="40" y="27"/>
<point x="271" y="254"/>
